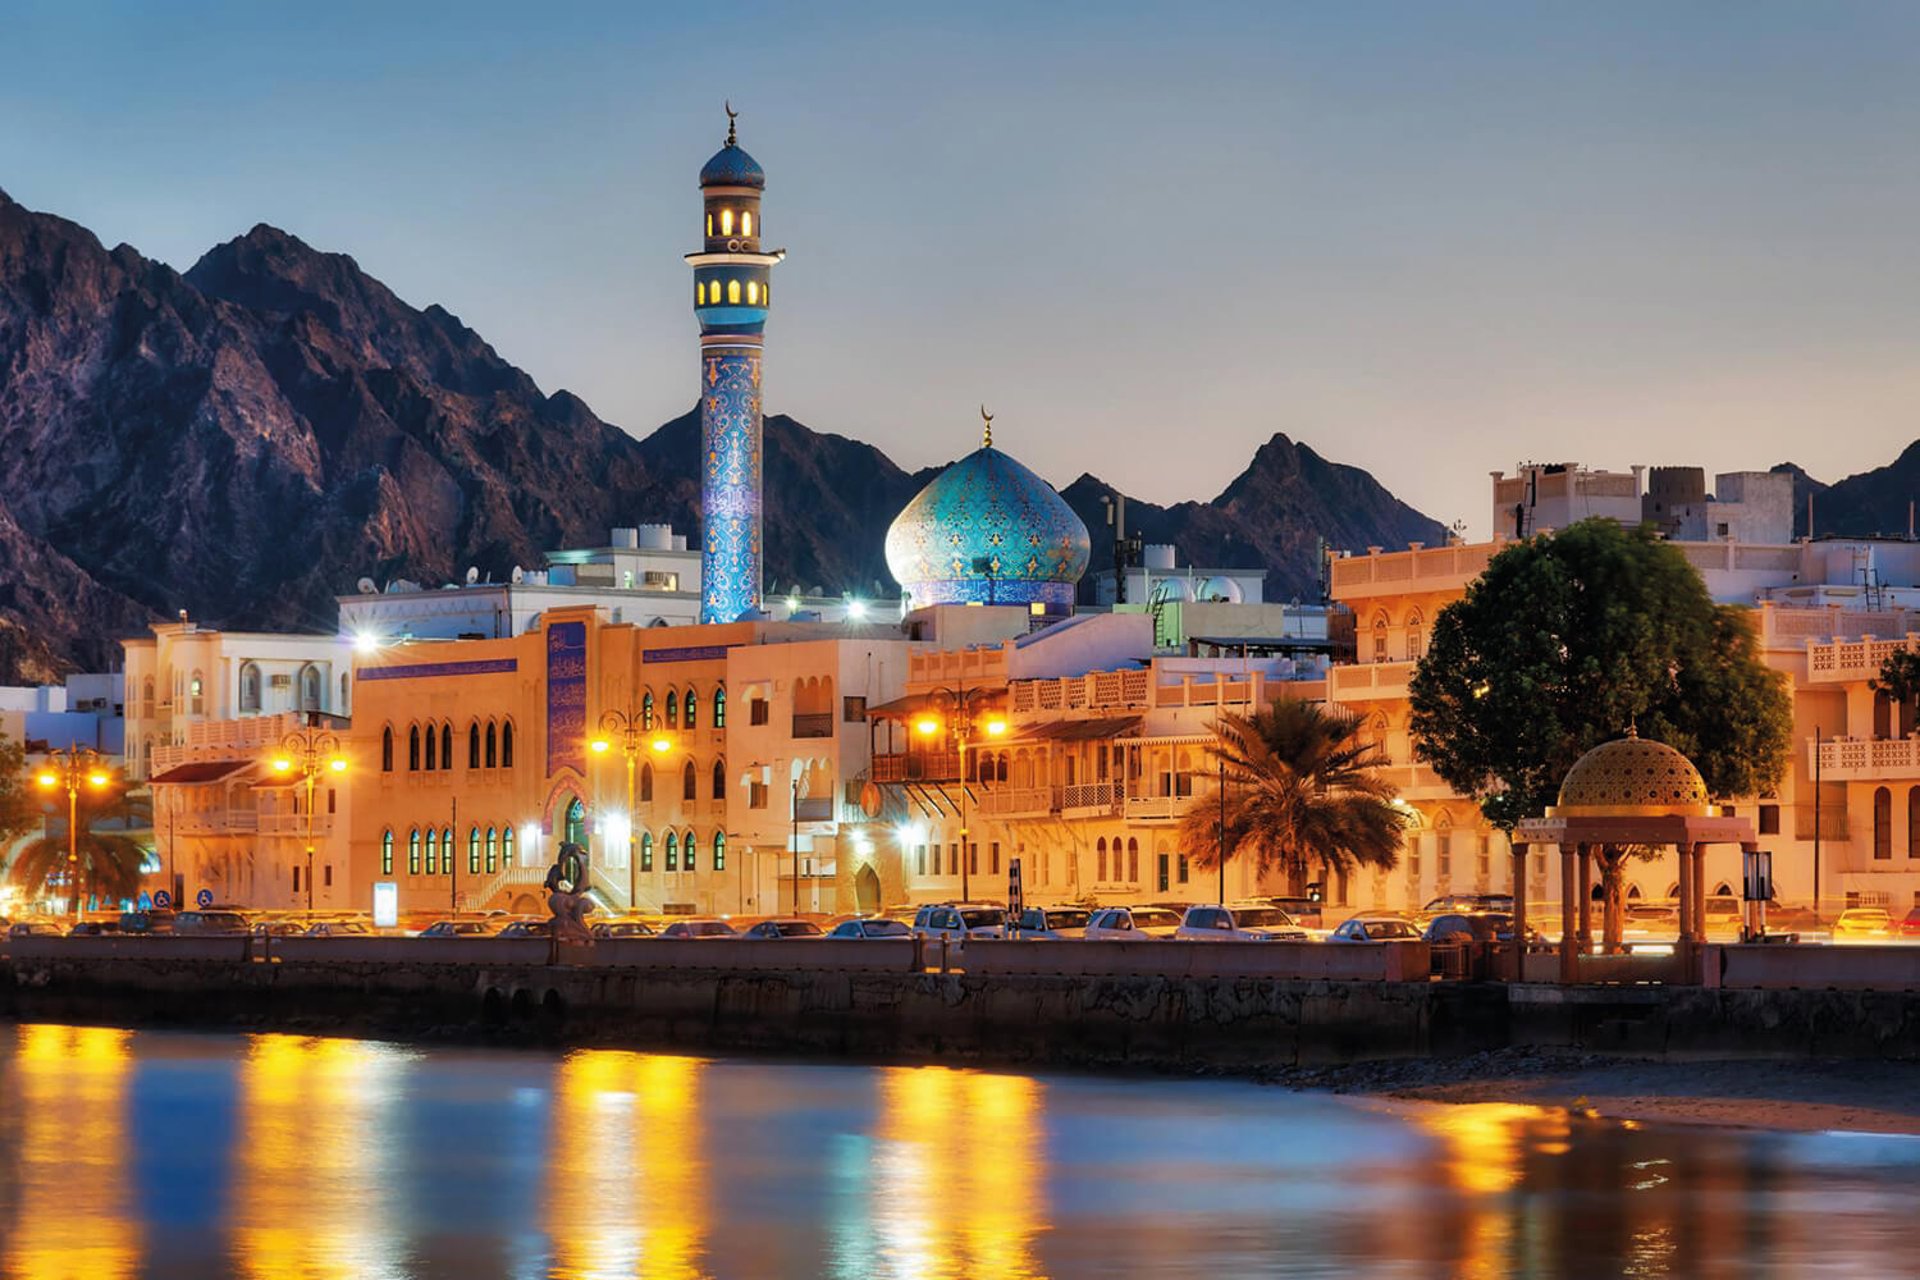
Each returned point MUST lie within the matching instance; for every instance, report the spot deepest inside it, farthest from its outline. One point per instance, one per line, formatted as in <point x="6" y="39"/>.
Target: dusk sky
<point x="1428" y="239"/>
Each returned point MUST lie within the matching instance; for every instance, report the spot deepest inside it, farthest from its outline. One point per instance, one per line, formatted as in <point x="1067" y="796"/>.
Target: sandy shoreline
<point x="1789" y="1095"/>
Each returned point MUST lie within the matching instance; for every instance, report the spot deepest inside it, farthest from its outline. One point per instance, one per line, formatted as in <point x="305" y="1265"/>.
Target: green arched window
<point x="576" y="824"/>
<point x="493" y="852"/>
<point x="689" y="852"/>
<point x="413" y="852"/>
<point x="720" y="707"/>
<point x="690" y="715"/>
<point x="673" y="852"/>
<point x="386" y="853"/>
<point x="719" y="851"/>
<point x="473" y="851"/>
<point x="646" y="850"/>
<point x="433" y="853"/>
<point x="506" y="847"/>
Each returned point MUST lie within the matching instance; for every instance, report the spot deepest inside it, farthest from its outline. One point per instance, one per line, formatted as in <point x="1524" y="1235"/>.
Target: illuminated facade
<point x="988" y="531"/>
<point x="730" y="299"/>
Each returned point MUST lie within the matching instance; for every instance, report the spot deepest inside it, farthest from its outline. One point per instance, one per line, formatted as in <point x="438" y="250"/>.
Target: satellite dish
<point x="518" y="575"/>
<point x="366" y="587"/>
<point x="473" y="574"/>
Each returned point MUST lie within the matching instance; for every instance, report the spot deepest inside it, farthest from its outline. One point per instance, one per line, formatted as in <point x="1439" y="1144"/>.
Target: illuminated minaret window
<point x="730" y="299"/>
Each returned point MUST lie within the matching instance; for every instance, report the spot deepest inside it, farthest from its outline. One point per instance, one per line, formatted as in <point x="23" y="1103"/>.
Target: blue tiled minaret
<point x="730" y="276"/>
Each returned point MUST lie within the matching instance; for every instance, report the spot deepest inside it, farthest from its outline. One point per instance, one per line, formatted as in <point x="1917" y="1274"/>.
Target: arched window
<point x="719" y="779"/>
<point x="1101" y="851"/>
<point x="473" y="851"/>
<point x="687" y="782"/>
<point x="386" y="853"/>
<point x="719" y="851"/>
<point x="673" y="851"/>
<point x="576" y="823"/>
<point x="413" y="747"/>
<point x="690" y="710"/>
<point x="506" y="745"/>
<point x="146" y="758"/>
<point x="196" y="694"/>
<point x="646" y="710"/>
<point x="310" y="691"/>
<point x="700" y="287"/>
<point x="1882" y="823"/>
<point x="1133" y="860"/>
<point x="720" y="707"/>
<point x="746" y="222"/>
<point x="1416" y="636"/>
<point x="249" y="686"/>
<point x="673" y="710"/>
<point x="146" y="697"/>
<point x="413" y="852"/>
<point x="506" y="847"/>
<point x="433" y="852"/>
<point x="646" y="782"/>
<point x="446" y="745"/>
<point x="726" y="222"/>
<point x="493" y="743"/>
<point x="433" y="749"/>
<point x="1380" y="637"/>
<point x="386" y="749"/>
<point x="446" y="849"/>
<point x="709" y="223"/>
<point x="733" y="291"/>
<point x="646" y="850"/>
<point x="753" y="293"/>
<point x="689" y="851"/>
<point x="493" y="852"/>
<point x="473" y="745"/>
<point x="1913" y="822"/>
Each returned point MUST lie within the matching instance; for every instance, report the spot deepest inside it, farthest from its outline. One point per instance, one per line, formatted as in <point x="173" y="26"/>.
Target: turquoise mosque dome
<point x="988" y="531"/>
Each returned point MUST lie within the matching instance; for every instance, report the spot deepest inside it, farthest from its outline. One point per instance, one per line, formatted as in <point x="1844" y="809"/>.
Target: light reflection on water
<point x="131" y="1154"/>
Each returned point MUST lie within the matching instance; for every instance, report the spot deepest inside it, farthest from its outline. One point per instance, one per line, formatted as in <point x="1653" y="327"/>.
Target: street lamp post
<point x="958" y="705"/>
<point x="628" y="731"/>
<point x="1223" y="831"/>
<point x="72" y="767"/>
<point x="308" y="752"/>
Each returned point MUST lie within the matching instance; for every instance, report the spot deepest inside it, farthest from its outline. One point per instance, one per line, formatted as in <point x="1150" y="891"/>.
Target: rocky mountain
<point x="1872" y="502"/>
<point x="247" y="439"/>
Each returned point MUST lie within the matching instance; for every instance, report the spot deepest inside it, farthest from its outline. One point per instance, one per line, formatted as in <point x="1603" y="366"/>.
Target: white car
<point x="1051" y="923"/>
<point x="1376" y="929"/>
<point x="1133" y="924"/>
<point x="1238" y="924"/>
<point x="960" y="922"/>
<point x="871" y="927"/>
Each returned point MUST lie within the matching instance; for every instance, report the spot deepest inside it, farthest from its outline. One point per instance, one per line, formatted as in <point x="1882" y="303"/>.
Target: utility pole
<point x="453" y="864"/>
<point x="1223" y="831"/>
<point x="1816" y="795"/>
<point x="796" y="846"/>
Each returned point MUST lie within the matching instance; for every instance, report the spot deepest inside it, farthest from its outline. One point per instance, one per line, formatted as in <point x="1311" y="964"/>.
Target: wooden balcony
<point x="930" y="766"/>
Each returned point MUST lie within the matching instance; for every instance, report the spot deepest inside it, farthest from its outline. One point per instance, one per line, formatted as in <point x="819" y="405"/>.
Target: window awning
<point x="914" y="703"/>
<point x="202" y="771"/>
<point x="1068" y="731"/>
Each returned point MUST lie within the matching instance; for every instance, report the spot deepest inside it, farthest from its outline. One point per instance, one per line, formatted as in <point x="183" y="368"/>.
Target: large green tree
<point x="1300" y="791"/>
<point x="1568" y="639"/>
<point x="110" y="856"/>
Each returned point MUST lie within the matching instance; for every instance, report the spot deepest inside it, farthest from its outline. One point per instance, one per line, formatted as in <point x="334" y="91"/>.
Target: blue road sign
<point x="162" y="899"/>
<point x="203" y="899"/>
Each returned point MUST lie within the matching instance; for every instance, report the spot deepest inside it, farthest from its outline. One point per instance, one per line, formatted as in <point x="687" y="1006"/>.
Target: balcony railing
<point x="1850" y="759"/>
<point x="1104" y="797"/>
<point x="1425" y="569"/>
<point x="1843" y="660"/>
<point x="1366" y="680"/>
<point x="294" y="824"/>
<point x="813" y="725"/>
<point x="1017" y="802"/>
<point x="932" y="766"/>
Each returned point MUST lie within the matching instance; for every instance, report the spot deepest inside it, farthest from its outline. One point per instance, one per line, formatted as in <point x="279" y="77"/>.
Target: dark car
<point x="622" y="929"/>
<point x="706" y="928"/>
<point x="786" y="929"/>
<point x="158" y="920"/>
<point x="95" y="929"/>
<point x="458" y="929"/>
<point x="527" y="929"/>
<point x="876" y="927"/>
<point x="213" y="922"/>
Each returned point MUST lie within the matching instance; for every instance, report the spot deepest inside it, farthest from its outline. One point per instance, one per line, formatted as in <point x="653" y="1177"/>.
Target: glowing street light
<point x="73" y="766"/>
<point x="310" y="751"/>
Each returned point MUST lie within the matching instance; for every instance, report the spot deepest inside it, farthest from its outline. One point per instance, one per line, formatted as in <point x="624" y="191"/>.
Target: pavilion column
<point x="1586" y="899"/>
<point x="1685" y="853"/>
<point x="1569" y="913"/>
<point x="1700" y="890"/>
<point x="1519" y="913"/>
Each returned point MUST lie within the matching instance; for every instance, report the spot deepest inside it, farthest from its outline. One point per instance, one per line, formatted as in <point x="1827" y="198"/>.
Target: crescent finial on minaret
<point x="986" y="432"/>
<point x="732" y="115"/>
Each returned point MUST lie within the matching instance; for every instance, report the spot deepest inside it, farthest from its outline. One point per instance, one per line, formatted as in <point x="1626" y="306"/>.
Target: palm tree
<point x="110" y="860"/>
<point x="1300" y="788"/>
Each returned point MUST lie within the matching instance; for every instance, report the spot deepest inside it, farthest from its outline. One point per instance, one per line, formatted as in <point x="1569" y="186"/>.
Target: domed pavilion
<point x="1626" y="794"/>
<point x="989" y="531"/>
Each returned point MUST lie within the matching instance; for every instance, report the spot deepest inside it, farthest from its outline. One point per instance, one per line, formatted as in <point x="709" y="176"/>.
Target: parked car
<point x="458" y="929"/>
<point x="157" y="920"/>
<point x="1054" y="923"/>
<point x="1238" y="924"/>
<point x="33" y="929"/>
<point x="94" y="929"/>
<point x="1909" y="926"/>
<point x="527" y="929"/>
<point x="1132" y="924"/>
<point x="777" y="930"/>
<point x="339" y="929"/>
<point x="1863" y="922"/>
<point x="1380" y="928"/>
<point x="622" y="929"/>
<point x="212" y="922"/>
<point x="278" y="929"/>
<point x="1479" y="926"/>
<point x="960" y="922"/>
<point x="703" y="928"/>
<point x="871" y="927"/>
<point x="1468" y="904"/>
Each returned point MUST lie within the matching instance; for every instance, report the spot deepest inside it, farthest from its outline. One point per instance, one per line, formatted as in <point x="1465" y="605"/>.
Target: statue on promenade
<point x="567" y="895"/>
